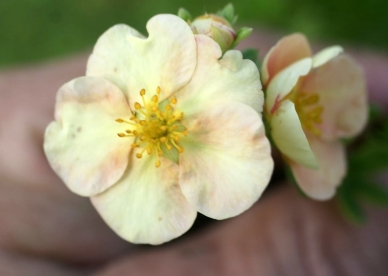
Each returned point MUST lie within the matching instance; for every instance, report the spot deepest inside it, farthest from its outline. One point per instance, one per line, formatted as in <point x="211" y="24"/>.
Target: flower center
<point x="156" y="126"/>
<point x="309" y="111"/>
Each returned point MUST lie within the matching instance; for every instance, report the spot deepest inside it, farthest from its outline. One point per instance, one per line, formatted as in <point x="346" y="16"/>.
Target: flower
<point x="215" y="27"/>
<point x="311" y="103"/>
<point x="159" y="129"/>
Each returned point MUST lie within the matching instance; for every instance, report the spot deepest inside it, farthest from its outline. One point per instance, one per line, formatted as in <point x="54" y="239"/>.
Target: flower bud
<point x="217" y="28"/>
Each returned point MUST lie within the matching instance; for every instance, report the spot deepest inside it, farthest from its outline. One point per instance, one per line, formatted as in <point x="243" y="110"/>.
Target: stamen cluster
<point x="155" y="129"/>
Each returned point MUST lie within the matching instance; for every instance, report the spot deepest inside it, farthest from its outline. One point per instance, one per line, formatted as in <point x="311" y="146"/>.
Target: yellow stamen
<point x="153" y="128"/>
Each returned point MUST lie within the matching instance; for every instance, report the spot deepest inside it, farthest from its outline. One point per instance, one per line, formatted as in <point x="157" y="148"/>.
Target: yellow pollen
<point x="153" y="129"/>
<point x="309" y="111"/>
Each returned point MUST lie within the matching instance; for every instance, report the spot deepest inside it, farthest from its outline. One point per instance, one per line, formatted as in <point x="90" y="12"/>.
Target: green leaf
<point x="251" y="54"/>
<point x="185" y="15"/>
<point x="373" y="193"/>
<point x="351" y="209"/>
<point x="375" y="112"/>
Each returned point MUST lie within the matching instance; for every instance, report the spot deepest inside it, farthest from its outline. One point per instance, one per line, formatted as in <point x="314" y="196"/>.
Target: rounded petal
<point x="146" y="205"/>
<point x="289" y="136"/>
<point x="321" y="184"/>
<point x="82" y="145"/>
<point x="287" y="51"/>
<point x="227" y="160"/>
<point x="230" y="79"/>
<point x="166" y="59"/>
<point x="326" y="54"/>
<point x="283" y="83"/>
<point x="340" y="84"/>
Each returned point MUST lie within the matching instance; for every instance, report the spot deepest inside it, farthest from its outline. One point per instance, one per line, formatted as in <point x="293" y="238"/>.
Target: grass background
<point x="33" y="30"/>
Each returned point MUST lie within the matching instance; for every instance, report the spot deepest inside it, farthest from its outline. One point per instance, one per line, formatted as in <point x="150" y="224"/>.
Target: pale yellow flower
<point x="159" y="129"/>
<point x="312" y="102"/>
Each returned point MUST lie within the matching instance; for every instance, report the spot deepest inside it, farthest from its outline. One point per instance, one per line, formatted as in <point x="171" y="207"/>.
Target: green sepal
<point x="219" y="36"/>
<point x="228" y="13"/>
<point x="243" y="33"/>
<point x="185" y="15"/>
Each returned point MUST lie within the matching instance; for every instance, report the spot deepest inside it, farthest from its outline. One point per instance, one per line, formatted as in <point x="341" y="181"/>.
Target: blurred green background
<point x="32" y="30"/>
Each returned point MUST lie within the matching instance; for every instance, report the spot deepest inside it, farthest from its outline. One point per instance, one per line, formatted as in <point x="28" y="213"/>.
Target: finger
<point x="284" y="234"/>
<point x="17" y="265"/>
<point x="38" y="215"/>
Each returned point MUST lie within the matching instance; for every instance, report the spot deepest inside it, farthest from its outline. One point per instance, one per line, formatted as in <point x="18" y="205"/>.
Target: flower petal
<point x="166" y="59"/>
<point x="287" y="51"/>
<point x="326" y="54"/>
<point x="82" y="145"/>
<point x="340" y="84"/>
<point x="146" y="205"/>
<point x="227" y="161"/>
<point x="283" y="83"/>
<point x="230" y="79"/>
<point x="321" y="184"/>
<point x="289" y="136"/>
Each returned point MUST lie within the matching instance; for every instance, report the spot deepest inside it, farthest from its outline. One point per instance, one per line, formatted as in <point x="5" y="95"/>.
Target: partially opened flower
<point x="312" y="102"/>
<point x="159" y="129"/>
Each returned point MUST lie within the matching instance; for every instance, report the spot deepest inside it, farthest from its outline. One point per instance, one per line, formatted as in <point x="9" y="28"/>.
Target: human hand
<point x="47" y="230"/>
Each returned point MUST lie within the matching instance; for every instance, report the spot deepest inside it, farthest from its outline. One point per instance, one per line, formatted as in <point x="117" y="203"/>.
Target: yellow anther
<point x="152" y="127"/>
<point x="182" y="115"/>
<point x="315" y="112"/>
<point x="312" y="99"/>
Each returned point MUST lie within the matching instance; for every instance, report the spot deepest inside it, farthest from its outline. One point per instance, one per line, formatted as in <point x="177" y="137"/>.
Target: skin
<point x="47" y="230"/>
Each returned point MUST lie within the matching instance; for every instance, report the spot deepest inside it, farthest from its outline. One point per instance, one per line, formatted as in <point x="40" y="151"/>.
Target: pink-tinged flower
<point x="159" y="129"/>
<point x="311" y="103"/>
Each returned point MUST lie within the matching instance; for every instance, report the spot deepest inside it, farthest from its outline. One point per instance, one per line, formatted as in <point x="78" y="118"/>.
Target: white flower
<point x="159" y="129"/>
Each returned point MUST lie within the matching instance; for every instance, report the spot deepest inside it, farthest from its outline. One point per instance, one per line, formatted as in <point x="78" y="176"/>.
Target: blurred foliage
<point x="367" y="158"/>
<point x="36" y="29"/>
